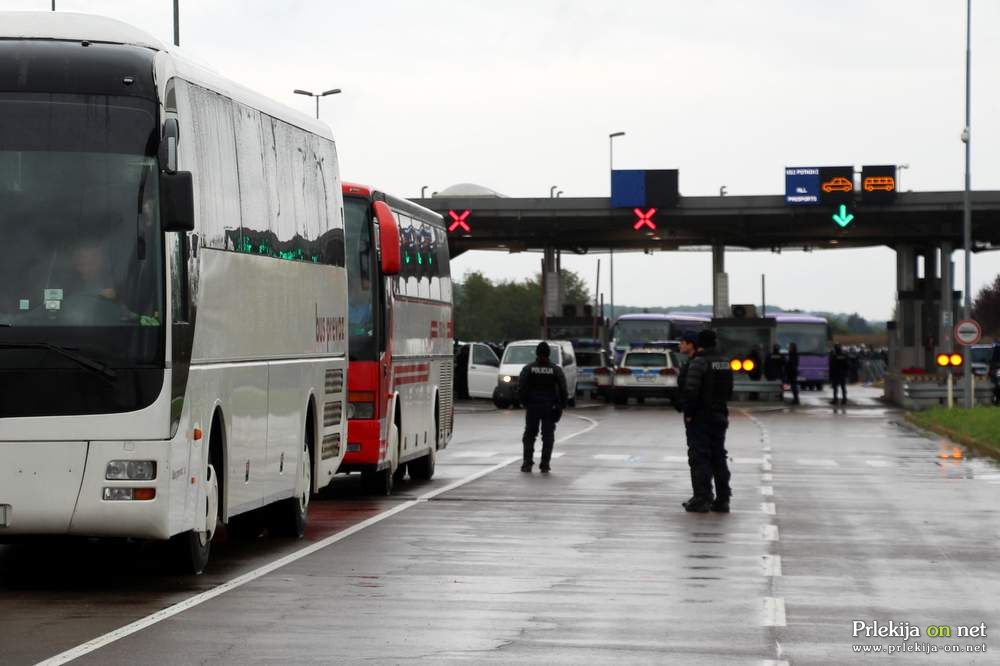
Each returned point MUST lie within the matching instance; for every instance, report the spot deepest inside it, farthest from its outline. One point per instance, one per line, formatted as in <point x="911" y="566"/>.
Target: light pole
<point x="611" y="171"/>
<point x="177" y="21"/>
<point x="317" y="96"/>
<point x="559" y="194"/>
<point x="970" y="399"/>
<point x="423" y="188"/>
<point x="552" y="191"/>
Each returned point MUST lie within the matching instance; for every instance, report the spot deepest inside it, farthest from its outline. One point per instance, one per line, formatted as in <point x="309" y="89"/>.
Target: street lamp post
<point x="899" y="174"/>
<point x="611" y="170"/>
<point x="423" y="188"/>
<point x="970" y="399"/>
<point x="552" y="191"/>
<point x="317" y="96"/>
<point x="177" y="21"/>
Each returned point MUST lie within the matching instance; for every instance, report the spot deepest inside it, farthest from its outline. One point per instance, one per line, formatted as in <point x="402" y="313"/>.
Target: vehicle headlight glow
<point x="507" y="379"/>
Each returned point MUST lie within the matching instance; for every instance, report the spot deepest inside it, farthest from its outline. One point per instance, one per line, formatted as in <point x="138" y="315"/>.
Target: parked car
<point x="646" y="372"/>
<point x="522" y="352"/>
<point x="476" y="367"/>
<point x="591" y="358"/>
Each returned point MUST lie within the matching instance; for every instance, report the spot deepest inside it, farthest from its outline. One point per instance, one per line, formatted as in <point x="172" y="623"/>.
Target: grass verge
<point x="978" y="428"/>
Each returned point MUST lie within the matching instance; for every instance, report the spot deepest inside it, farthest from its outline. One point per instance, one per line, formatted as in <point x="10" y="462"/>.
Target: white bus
<point x="174" y="298"/>
<point x="400" y="331"/>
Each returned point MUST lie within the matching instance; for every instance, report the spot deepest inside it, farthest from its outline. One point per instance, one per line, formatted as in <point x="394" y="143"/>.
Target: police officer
<point x="688" y="347"/>
<point x="541" y="388"/>
<point x="839" y="363"/>
<point x="708" y="385"/>
<point x="774" y="366"/>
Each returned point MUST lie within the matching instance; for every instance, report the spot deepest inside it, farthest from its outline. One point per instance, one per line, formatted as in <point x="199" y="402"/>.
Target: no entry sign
<point x="968" y="332"/>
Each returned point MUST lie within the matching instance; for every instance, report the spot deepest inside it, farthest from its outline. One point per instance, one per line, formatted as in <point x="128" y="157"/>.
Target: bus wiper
<point x="85" y="361"/>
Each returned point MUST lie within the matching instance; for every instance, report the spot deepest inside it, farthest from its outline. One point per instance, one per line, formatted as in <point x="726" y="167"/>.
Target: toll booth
<point x="745" y="339"/>
<point x="578" y="321"/>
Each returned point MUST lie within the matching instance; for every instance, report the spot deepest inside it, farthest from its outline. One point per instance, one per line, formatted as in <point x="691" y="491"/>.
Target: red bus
<point x="400" y="329"/>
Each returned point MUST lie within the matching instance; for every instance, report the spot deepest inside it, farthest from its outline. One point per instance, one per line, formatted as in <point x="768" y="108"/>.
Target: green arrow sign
<point x="843" y="218"/>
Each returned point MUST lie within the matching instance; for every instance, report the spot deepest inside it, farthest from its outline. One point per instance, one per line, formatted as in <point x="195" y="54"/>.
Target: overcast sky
<point x="520" y="95"/>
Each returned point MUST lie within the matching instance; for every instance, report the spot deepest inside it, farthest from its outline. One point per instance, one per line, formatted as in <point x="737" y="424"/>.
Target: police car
<point x="646" y="371"/>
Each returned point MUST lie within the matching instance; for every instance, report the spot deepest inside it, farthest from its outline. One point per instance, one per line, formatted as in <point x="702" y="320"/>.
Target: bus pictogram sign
<point x="644" y="219"/>
<point x="459" y="220"/>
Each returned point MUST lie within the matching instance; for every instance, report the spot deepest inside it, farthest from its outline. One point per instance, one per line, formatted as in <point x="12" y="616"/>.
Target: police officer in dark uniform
<point x="541" y="388"/>
<point x="838" y="373"/>
<point x="708" y="386"/>
<point x="774" y="366"/>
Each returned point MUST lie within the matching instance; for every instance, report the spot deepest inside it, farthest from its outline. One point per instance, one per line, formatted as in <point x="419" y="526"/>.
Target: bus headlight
<point x="130" y="470"/>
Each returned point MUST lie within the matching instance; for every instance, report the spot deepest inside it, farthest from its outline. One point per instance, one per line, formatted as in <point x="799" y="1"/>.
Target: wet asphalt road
<point x="838" y="515"/>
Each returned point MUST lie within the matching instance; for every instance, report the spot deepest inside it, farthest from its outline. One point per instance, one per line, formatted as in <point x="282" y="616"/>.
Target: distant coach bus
<point x="811" y="336"/>
<point x="173" y="349"/>
<point x="631" y="329"/>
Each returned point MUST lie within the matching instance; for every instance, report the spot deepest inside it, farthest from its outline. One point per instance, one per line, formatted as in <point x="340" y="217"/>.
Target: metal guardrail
<point x="931" y="390"/>
<point x="745" y="389"/>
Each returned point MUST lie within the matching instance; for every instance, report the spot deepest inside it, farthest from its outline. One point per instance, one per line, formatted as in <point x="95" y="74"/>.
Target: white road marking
<point x="767" y="477"/>
<point x="612" y="456"/>
<point x="769" y="533"/>
<point x="473" y="454"/>
<point x="767" y="448"/>
<point x="768" y="490"/>
<point x="817" y="462"/>
<point x="773" y="662"/>
<point x="768" y="508"/>
<point x="771" y="565"/>
<point x="766" y="466"/>
<point x="877" y="463"/>
<point x="250" y="576"/>
<point x="558" y="454"/>
<point x="682" y="459"/>
<point x="774" y="612"/>
<point x="748" y="461"/>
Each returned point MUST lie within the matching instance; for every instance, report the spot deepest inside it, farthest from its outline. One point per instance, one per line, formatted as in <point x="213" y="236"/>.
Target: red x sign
<point x="459" y="221"/>
<point x="644" y="219"/>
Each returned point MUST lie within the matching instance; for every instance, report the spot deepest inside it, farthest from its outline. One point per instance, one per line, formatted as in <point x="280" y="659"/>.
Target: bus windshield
<point x="362" y="343"/>
<point x="808" y="338"/>
<point x="79" y="214"/>
<point x="638" y="330"/>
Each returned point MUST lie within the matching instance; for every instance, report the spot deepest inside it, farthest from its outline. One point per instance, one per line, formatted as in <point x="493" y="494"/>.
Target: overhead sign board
<point x="836" y="185"/>
<point x="644" y="188"/>
<point x="801" y="186"/>
<point x="878" y="183"/>
<point x="968" y="332"/>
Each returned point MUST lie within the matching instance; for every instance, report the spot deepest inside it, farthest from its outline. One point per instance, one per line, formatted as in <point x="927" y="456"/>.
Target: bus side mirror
<point x="176" y="201"/>
<point x="388" y="238"/>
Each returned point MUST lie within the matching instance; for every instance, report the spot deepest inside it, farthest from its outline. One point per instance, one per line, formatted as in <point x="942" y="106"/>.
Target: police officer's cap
<point x="690" y="336"/>
<point x="706" y="338"/>
<point x="543" y="349"/>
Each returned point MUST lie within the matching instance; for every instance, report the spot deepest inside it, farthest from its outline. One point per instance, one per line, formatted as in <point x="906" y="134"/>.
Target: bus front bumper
<point x="59" y="488"/>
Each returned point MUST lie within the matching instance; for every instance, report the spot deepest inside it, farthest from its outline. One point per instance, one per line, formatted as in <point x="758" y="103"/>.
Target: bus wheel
<point x="422" y="469"/>
<point x="382" y="481"/>
<point x="291" y="514"/>
<point x="192" y="548"/>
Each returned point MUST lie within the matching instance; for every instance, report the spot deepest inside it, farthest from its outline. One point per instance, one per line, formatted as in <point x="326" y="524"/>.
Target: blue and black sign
<point x="878" y="183"/>
<point x="801" y="186"/>
<point x="644" y="188"/>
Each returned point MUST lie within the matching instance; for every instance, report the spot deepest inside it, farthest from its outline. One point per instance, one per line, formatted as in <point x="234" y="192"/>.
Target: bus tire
<point x="292" y="514"/>
<point x="382" y="481"/>
<point x="191" y="549"/>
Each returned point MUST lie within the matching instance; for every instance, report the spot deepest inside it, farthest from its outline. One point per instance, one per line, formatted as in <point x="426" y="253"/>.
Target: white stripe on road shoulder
<point x="769" y="533"/>
<point x="766" y="490"/>
<point x="771" y="565"/>
<point x="473" y="454"/>
<point x="817" y="462"/>
<point x="877" y="463"/>
<point x="774" y="612"/>
<point x="768" y="508"/>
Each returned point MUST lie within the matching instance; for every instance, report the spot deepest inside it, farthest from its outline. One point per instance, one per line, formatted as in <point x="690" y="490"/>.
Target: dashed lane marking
<point x="769" y="533"/>
<point x="767" y="477"/>
<point x="766" y="490"/>
<point x="817" y="462"/>
<point x="771" y="565"/>
<point x="250" y="576"/>
<point x="768" y="508"/>
<point x="473" y="454"/>
<point x="877" y="463"/>
<point x="774" y="612"/>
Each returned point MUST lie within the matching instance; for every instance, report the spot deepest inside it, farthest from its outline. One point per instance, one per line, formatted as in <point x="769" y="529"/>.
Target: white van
<point x="522" y="352"/>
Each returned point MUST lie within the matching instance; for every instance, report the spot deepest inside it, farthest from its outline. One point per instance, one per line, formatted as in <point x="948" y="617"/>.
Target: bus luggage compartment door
<point x="39" y="484"/>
